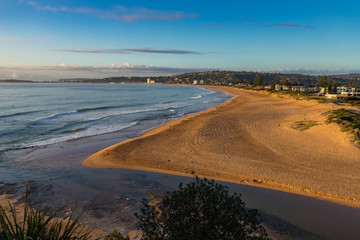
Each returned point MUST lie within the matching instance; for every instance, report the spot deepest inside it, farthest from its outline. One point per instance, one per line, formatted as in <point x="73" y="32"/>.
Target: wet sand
<point x="249" y="140"/>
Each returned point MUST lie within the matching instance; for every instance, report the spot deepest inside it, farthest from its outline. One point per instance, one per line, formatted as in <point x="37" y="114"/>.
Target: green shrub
<point x="303" y="125"/>
<point x="115" y="235"/>
<point x="201" y="210"/>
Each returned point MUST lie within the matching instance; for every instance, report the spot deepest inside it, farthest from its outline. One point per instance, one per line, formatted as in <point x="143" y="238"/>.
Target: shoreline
<point x="130" y="153"/>
<point x="56" y="175"/>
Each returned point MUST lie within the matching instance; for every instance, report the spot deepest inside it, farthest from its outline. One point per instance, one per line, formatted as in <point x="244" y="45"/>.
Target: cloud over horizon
<point x="263" y="25"/>
<point x="288" y="25"/>
<point x="55" y="72"/>
<point x="8" y="39"/>
<point x="310" y="71"/>
<point x="127" y="51"/>
<point x="118" y="12"/>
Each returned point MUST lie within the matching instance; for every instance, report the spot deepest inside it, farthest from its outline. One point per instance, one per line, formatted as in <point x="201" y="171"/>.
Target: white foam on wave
<point x="88" y="132"/>
<point x="97" y="115"/>
<point x="208" y="91"/>
<point x="196" y="97"/>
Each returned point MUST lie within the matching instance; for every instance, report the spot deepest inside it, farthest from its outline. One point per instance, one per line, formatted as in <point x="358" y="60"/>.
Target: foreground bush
<point x="115" y="235"/>
<point x="201" y="210"/>
<point x="36" y="225"/>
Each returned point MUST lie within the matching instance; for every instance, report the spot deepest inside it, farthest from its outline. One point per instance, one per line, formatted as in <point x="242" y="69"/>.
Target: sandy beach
<point x="249" y="140"/>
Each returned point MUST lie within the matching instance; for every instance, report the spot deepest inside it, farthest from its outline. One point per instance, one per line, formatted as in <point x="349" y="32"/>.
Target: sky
<point x="53" y="39"/>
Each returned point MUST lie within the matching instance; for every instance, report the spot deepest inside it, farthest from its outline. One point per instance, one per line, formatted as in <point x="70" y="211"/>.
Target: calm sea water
<point x="33" y="115"/>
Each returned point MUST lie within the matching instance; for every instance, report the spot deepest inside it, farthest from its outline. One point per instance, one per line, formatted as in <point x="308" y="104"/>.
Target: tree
<point x="323" y="81"/>
<point x="258" y="81"/>
<point x="286" y="81"/>
<point x="354" y="85"/>
<point x="330" y="86"/>
<point x="335" y="86"/>
<point x="201" y="210"/>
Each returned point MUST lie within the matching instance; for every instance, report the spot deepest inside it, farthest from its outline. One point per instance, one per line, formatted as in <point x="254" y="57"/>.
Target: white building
<point x="341" y="89"/>
<point x="149" y="81"/>
<point x="350" y="94"/>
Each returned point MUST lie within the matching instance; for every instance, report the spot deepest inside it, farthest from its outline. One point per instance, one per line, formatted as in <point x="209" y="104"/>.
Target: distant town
<point x="331" y="87"/>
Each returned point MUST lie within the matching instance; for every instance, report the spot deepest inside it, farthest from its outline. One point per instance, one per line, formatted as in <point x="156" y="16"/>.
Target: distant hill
<point x="105" y="80"/>
<point x="225" y="78"/>
<point x="15" y="81"/>
<point x="78" y="80"/>
<point x="350" y="75"/>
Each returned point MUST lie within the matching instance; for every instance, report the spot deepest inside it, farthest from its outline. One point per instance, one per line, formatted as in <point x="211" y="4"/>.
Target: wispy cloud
<point x="8" y="39"/>
<point x="287" y="25"/>
<point x="276" y="25"/>
<point x="220" y="24"/>
<point x="319" y="71"/>
<point x="127" y="51"/>
<point x="63" y="70"/>
<point x="135" y="13"/>
<point x="118" y="12"/>
<point x="13" y="39"/>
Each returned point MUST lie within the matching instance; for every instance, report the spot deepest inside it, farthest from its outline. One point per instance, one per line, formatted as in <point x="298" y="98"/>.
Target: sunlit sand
<point x="249" y="140"/>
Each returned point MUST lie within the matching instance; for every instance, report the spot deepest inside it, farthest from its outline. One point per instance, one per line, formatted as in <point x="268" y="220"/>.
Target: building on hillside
<point x="298" y="88"/>
<point x="149" y="81"/>
<point x="241" y="85"/>
<point x="350" y="94"/>
<point x="343" y="95"/>
<point x="341" y="89"/>
<point x="286" y="87"/>
<point x="279" y="87"/>
<point x="268" y="87"/>
<point x="323" y="90"/>
<point x="333" y="96"/>
<point x="195" y="82"/>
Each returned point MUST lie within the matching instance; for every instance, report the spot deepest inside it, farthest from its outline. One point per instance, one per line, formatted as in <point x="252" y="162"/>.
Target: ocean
<point x="37" y="115"/>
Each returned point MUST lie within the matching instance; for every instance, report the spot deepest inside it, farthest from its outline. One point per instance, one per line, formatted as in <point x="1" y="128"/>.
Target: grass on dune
<point x="31" y="224"/>
<point x="349" y="121"/>
<point x="303" y="125"/>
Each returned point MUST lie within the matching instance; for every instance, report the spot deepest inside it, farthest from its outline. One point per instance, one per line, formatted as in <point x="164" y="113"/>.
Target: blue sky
<point x="52" y="39"/>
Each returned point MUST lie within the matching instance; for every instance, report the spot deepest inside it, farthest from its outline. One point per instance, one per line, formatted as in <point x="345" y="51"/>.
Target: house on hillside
<point x="343" y="95"/>
<point x="333" y="96"/>
<point x="279" y="87"/>
<point x="341" y="89"/>
<point x="149" y="81"/>
<point x="350" y="94"/>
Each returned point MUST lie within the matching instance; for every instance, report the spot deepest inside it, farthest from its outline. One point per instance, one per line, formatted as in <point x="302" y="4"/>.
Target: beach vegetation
<point x="115" y="235"/>
<point x="350" y="100"/>
<point x="303" y="125"/>
<point x="349" y="120"/>
<point x="31" y="224"/>
<point x="199" y="210"/>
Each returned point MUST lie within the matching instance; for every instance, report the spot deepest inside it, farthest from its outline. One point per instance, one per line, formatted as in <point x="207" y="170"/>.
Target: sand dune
<point x="249" y="140"/>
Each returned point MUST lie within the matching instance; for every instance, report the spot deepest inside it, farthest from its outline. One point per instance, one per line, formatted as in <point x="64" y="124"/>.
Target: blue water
<point x="35" y="115"/>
